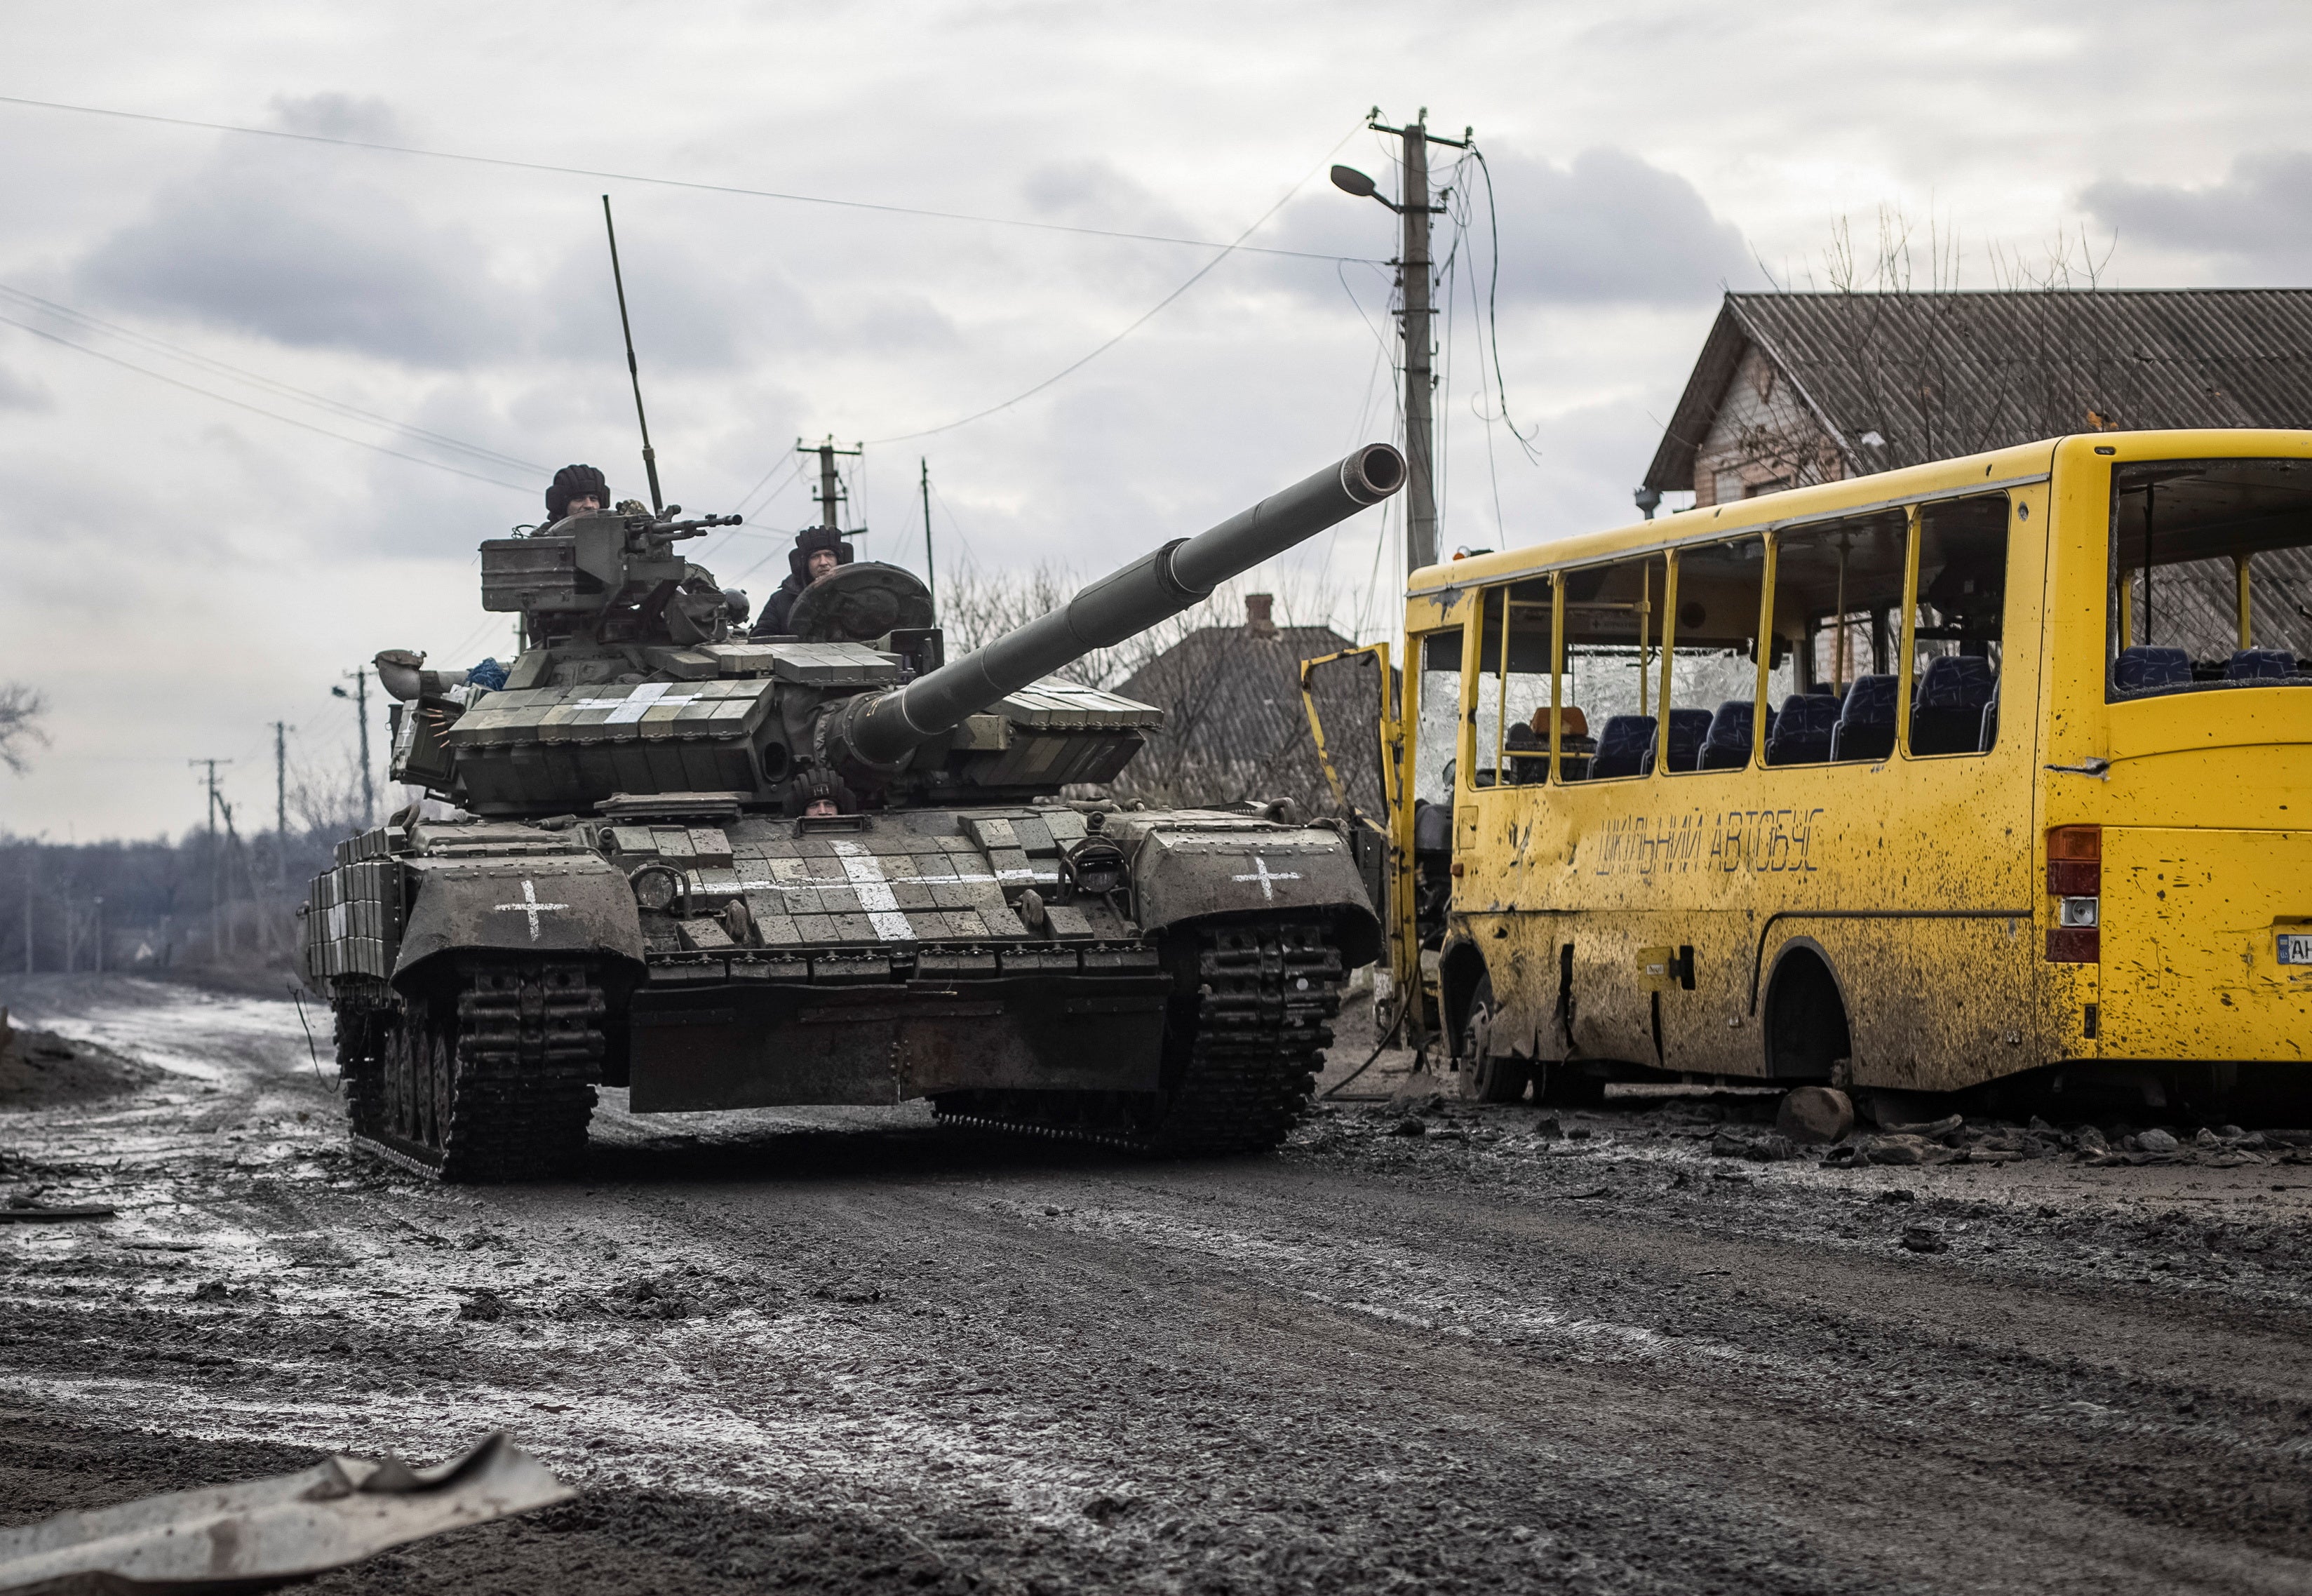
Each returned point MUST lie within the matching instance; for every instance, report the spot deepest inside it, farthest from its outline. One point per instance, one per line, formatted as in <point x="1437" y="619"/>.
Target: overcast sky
<point x="182" y="572"/>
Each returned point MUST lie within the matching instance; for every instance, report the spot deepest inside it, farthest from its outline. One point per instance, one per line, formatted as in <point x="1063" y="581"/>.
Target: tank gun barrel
<point x="880" y="730"/>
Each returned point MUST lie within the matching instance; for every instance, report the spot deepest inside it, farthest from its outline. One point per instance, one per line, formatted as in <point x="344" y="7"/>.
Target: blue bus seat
<point x="1800" y="733"/>
<point x="1622" y="743"/>
<point x="1727" y="746"/>
<point x="2260" y="664"/>
<point x="1866" y="720"/>
<point x="1688" y="728"/>
<point x="2144" y="669"/>
<point x="1989" y="734"/>
<point x="1947" y="710"/>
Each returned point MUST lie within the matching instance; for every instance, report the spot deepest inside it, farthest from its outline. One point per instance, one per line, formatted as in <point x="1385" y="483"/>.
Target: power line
<point x="1145" y="317"/>
<point x="659" y="182"/>
<point x="289" y="390"/>
<point x="259" y="410"/>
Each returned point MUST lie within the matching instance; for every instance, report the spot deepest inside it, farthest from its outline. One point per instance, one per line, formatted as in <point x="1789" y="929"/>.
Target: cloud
<point x="308" y="250"/>
<point x="1606" y="228"/>
<point x="2256" y="224"/>
<point x="23" y="393"/>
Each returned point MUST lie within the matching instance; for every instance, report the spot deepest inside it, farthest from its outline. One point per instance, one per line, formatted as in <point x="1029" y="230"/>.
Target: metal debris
<point x="268" y="1532"/>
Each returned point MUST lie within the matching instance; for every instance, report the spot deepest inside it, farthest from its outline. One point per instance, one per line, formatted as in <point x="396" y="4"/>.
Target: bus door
<point x="1425" y="821"/>
<point x="1355" y="709"/>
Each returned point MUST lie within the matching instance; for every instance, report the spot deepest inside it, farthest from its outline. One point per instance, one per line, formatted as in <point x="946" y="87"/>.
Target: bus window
<point x="1437" y="729"/>
<point x="1613" y="665"/>
<point x="1513" y="685"/>
<point x="1713" y="668"/>
<point x="1962" y="601"/>
<point x="2212" y="566"/>
<point x="1838" y="596"/>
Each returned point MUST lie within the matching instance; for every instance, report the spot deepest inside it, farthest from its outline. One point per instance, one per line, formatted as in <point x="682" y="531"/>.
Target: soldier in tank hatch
<point x="820" y="791"/>
<point x="818" y="550"/>
<point x="576" y="489"/>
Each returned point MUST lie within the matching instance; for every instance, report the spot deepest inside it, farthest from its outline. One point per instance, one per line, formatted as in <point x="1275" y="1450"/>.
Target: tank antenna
<point x="650" y="457"/>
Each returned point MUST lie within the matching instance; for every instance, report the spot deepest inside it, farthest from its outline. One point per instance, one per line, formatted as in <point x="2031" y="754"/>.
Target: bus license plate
<point x="2296" y="948"/>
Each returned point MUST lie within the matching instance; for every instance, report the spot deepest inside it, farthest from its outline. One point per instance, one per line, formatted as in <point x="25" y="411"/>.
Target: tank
<point x="830" y="868"/>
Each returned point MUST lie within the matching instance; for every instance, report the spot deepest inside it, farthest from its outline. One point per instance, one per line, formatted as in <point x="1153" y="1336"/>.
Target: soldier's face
<point x="821" y="561"/>
<point x="581" y="504"/>
<point x="822" y="806"/>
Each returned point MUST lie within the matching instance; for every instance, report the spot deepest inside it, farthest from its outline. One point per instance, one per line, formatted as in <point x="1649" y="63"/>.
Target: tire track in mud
<point x="946" y="1360"/>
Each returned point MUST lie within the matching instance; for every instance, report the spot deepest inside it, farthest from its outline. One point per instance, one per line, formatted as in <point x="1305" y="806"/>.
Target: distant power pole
<point x="1416" y="321"/>
<point x="830" y="485"/>
<point x="216" y="856"/>
<point x="931" y="576"/>
<point x="360" y="696"/>
<point x="280" y="805"/>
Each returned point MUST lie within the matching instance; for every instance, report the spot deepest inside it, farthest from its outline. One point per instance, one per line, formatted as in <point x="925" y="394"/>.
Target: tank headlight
<point x="656" y="887"/>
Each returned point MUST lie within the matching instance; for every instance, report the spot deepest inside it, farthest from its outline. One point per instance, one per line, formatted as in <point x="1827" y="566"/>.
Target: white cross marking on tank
<point x="1266" y="877"/>
<point x="648" y="696"/>
<point x="530" y="905"/>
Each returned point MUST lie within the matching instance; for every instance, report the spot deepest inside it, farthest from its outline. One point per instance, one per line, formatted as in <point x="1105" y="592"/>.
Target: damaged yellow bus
<point x="1993" y="770"/>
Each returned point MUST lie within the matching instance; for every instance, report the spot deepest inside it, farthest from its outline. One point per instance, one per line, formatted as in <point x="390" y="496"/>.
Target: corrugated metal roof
<point x="1234" y="726"/>
<point x="1941" y="375"/>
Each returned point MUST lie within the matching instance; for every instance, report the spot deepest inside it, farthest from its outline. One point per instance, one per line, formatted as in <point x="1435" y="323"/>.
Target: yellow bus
<point x="1916" y="781"/>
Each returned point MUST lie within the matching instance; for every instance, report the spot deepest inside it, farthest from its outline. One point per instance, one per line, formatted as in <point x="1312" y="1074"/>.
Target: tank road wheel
<point x="489" y="1078"/>
<point x="1486" y="1076"/>
<point x="1243" y="1040"/>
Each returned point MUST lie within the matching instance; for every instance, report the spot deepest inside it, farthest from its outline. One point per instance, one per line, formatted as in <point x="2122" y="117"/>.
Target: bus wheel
<point x="1487" y="1077"/>
<point x="1806" y="1021"/>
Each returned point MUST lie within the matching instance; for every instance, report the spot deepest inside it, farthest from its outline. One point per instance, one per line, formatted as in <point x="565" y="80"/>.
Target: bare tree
<point x="21" y="709"/>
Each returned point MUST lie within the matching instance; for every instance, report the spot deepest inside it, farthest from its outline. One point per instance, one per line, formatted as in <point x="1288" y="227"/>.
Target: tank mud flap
<point x="1241" y="1055"/>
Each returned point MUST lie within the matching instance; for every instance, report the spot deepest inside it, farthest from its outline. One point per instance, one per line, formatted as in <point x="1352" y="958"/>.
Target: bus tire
<point x="1488" y="1077"/>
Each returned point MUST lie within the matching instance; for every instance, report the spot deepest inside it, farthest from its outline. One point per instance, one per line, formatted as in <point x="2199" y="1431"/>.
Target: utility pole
<point x="931" y="572"/>
<point x="280" y="781"/>
<point x="216" y="858"/>
<point x="830" y="485"/>
<point x="1415" y="320"/>
<point x="280" y="805"/>
<point x="360" y="696"/>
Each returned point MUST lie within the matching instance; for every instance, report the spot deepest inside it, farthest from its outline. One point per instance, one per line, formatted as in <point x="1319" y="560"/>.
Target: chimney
<point x="1256" y="619"/>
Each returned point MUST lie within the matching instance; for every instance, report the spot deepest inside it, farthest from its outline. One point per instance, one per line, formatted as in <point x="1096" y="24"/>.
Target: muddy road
<point x="845" y="1350"/>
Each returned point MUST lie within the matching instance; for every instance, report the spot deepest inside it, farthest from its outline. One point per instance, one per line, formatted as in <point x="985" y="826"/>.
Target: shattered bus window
<point x="2211" y="576"/>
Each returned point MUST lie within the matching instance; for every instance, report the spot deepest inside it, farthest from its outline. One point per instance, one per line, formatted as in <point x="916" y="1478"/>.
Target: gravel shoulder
<point x="843" y="1349"/>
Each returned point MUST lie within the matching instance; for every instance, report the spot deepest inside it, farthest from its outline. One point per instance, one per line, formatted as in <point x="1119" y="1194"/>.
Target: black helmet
<point x="809" y="541"/>
<point x="811" y="785"/>
<point x="570" y="481"/>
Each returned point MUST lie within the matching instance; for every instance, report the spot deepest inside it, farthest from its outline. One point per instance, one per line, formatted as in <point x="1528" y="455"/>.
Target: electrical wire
<point x="259" y="410"/>
<point x="288" y="390"/>
<point x="1231" y="248"/>
<point x="658" y="182"/>
<point x="1493" y="309"/>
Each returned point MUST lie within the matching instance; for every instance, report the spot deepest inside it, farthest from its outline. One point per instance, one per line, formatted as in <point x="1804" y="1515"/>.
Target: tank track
<point x="489" y="1082"/>
<point x="1241" y="1055"/>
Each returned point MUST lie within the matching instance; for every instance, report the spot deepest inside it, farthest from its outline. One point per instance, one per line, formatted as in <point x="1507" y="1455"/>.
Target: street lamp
<point x="1348" y="179"/>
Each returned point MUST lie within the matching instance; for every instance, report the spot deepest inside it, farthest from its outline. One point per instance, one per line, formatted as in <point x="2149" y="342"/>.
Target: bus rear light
<point x="2075" y="862"/>
<point x="2074" y="945"/>
<point x="2076" y="911"/>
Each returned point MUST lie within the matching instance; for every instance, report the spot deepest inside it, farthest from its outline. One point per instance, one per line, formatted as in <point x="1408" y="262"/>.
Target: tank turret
<point x="632" y="686"/>
<point x="632" y="894"/>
